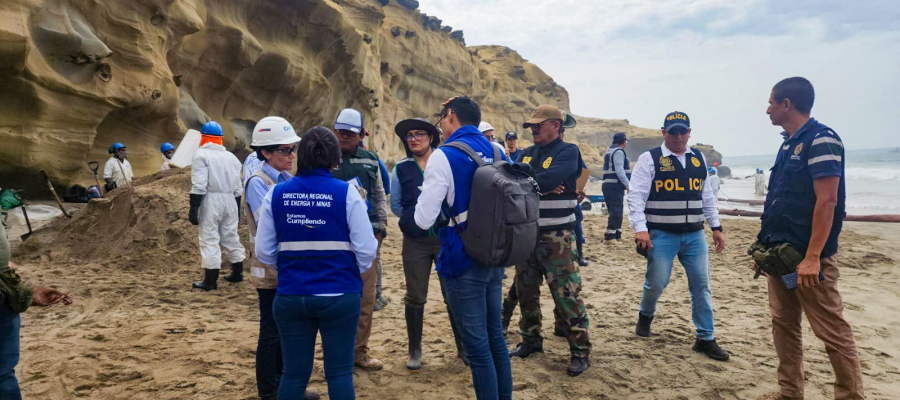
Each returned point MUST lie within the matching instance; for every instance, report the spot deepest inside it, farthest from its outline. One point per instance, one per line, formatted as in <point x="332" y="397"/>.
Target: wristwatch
<point x="718" y="228"/>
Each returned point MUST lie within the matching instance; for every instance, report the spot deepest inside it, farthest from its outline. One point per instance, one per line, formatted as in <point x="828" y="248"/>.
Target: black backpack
<point x="77" y="194"/>
<point x="502" y="223"/>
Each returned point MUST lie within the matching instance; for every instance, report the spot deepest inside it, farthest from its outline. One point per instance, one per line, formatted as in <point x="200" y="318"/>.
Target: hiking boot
<point x="414" y="321"/>
<point x="711" y="349"/>
<point x="581" y="260"/>
<point x="369" y="363"/>
<point x="578" y="365"/>
<point x="237" y="273"/>
<point x="524" y="350"/>
<point x="210" y="276"/>
<point x="643" y="325"/>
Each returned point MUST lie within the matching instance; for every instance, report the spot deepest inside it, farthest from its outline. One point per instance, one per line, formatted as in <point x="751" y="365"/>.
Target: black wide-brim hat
<point x="418" y="123"/>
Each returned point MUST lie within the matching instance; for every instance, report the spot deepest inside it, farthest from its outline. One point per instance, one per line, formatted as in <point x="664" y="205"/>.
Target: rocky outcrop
<point x="80" y="74"/>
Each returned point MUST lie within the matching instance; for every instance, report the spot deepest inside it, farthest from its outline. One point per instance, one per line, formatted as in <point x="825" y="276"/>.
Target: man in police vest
<point x="616" y="173"/>
<point x="557" y="165"/>
<point x="668" y="200"/>
<point x="357" y="162"/>
<point x="805" y="208"/>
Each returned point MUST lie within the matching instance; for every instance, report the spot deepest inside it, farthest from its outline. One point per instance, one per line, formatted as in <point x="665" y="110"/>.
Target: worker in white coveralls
<point x="117" y="171"/>
<point x="215" y="195"/>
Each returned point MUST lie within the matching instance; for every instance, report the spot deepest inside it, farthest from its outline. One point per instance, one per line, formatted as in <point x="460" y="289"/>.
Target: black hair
<point x="259" y="151"/>
<point x="799" y="90"/>
<point x="466" y="110"/>
<point x="318" y="149"/>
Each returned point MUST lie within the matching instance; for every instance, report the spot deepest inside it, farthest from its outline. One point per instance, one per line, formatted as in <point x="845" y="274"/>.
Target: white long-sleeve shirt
<point x="361" y="237"/>
<point x="120" y="175"/>
<point x="642" y="180"/>
<point x="437" y="186"/>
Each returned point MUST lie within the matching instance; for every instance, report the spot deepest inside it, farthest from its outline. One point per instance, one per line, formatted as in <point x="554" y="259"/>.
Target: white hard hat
<point x="484" y="127"/>
<point x="272" y="131"/>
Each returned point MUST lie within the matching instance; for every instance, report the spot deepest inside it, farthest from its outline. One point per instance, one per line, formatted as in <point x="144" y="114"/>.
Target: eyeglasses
<point x="441" y="117"/>
<point x="346" y="133"/>
<point x="286" y="150"/>
<point x="418" y="136"/>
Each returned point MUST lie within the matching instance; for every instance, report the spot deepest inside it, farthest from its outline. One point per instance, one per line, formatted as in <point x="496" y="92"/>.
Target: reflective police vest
<point x="363" y="165"/>
<point x="675" y="203"/>
<point x="315" y="255"/>
<point x="410" y="176"/>
<point x="788" y="212"/>
<point x="557" y="211"/>
<point x="609" y="168"/>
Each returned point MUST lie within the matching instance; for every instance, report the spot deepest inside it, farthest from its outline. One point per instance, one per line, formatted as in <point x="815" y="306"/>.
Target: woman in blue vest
<point x="315" y="228"/>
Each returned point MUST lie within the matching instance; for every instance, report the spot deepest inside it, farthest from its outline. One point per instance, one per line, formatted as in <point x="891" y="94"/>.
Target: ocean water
<point x="872" y="176"/>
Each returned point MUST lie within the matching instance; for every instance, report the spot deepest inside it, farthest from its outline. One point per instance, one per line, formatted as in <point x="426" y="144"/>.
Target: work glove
<point x="196" y="200"/>
<point x="238" y="200"/>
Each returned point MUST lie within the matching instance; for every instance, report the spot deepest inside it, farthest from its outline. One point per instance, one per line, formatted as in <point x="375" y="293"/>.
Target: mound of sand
<point x="142" y="227"/>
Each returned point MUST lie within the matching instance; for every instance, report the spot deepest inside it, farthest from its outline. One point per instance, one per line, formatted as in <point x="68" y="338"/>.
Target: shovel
<point x="25" y="213"/>
<point x="55" y="196"/>
<point x="94" y="166"/>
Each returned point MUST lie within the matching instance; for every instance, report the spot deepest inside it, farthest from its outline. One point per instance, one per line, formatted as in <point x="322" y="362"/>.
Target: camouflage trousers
<point x="553" y="259"/>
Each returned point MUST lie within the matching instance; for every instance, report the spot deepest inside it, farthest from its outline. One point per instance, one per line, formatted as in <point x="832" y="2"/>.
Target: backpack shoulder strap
<point x="497" y="155"/>
<point x="468" y="150"/>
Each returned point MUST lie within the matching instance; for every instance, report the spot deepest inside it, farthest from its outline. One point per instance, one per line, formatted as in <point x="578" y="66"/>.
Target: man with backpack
<point x="556" y="165"/>
<point x="473" y="289"/>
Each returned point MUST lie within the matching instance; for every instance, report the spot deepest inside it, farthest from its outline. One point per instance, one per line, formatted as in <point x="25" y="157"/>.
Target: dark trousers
<point x="614" y="195"/>
<point x="9" y="355"/>
<point x="299" y="320"/>
<point x="419" y="254"/>
<point x="579" y="233"/>
<point x="269" y="363"/>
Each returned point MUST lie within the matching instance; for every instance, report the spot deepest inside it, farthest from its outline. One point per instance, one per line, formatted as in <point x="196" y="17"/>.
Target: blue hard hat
<point x="166" y="147"/>
<point x="211" y="128"/>
<point x="712" y="170"/>
<point x="116" y="147"/>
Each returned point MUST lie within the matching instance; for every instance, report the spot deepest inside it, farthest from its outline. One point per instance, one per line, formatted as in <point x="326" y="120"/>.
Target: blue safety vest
<point x="609" y="168"/>
<point x="452" y="259"/>
<point x="315" y="255"/>
<point x="788" y="213"/>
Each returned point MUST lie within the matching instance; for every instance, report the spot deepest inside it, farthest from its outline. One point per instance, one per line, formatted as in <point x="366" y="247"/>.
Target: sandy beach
<point x="136" y="331"/>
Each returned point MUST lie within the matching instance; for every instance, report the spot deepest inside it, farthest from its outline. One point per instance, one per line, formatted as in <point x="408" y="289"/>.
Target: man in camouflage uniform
<point x="557" y="165"/>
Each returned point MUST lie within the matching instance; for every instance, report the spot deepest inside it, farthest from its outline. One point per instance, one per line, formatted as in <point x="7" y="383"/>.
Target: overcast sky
<point x="717" y="60"/>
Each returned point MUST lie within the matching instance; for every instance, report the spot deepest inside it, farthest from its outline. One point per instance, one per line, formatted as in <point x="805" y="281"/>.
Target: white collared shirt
<point x="641" y="181"/>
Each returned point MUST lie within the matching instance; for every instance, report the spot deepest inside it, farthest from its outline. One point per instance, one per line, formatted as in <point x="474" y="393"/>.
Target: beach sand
<point x="136" y="331"/>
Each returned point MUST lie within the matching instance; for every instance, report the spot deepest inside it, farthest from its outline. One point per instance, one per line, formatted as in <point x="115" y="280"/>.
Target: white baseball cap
<point x="350" y="120"/>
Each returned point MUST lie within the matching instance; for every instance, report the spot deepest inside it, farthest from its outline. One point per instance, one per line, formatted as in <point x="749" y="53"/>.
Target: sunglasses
<point x="677" y="132"/>
<point x="286" y="150"/>
<point x="536" y="127"/>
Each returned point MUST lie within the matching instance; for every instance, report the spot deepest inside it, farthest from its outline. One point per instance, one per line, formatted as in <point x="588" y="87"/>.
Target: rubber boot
<point x="414" y="321"/>
<point x="460" y="352"/>
<point x="237" y="273"/>
<point x="209" y="280"/>
<point x="581" y="261"/>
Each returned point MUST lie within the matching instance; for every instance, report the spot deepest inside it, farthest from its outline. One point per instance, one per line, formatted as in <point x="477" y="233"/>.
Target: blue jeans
<point x="693" y="252"/>
<point x="299" y="318"/>
<point x="579" y="233"/>
<point x="474" y="299"/>
<point x="9" y="356"/>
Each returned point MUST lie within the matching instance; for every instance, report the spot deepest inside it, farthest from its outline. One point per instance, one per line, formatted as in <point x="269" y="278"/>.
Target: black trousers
<point x="614" y="195"/>
<point x="269" y="363"/>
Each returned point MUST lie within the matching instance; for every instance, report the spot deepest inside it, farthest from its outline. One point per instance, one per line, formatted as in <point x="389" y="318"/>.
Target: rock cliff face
<point x="78" y="75"/>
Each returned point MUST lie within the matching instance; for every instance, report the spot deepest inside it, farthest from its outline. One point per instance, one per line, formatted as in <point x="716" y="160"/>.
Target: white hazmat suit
<point x="216" y="174"/>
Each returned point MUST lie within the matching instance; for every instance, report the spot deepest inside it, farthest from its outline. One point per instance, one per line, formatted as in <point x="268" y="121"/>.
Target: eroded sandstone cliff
<point x="78" y="75"/>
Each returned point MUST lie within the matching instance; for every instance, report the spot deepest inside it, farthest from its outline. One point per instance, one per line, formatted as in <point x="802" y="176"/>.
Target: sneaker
<point x="380" y="303"/>
<point x="369" y="363"/>
<point x="643" y="325"/>
<point x="711" y="349"/>
<point x="524" y="350"/>
<point x="578" y="365"/>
